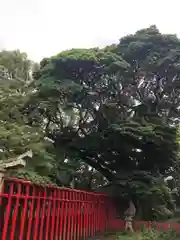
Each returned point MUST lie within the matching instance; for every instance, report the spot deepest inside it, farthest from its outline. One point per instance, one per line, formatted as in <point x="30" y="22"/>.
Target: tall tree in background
<point x="16" y="136"/>
<point x="17" y="64"/>
<point x="124" y="108"/>
<point x="109" y="101"/>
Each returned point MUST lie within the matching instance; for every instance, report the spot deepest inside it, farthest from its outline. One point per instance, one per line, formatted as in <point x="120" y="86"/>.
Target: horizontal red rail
<point x="21" y="181"/>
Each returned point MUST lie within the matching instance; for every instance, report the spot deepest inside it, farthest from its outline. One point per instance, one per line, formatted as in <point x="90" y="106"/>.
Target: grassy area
<point x="118" y="236"/>
<point x="126" y="236"/>
<point x="144" y="235"/>
<point x="147" y="235"/>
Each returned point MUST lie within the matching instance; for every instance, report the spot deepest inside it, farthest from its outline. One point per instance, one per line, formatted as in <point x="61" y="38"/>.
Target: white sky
<point x="43" y="28"/>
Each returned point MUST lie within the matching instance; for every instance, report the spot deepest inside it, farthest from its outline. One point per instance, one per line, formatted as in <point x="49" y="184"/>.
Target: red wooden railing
<point x="36" y="212"/>
<point x="29" y="211"/>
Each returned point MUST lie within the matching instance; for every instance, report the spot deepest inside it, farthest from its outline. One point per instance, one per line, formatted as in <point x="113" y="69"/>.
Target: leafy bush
<point x="152" y="234"/>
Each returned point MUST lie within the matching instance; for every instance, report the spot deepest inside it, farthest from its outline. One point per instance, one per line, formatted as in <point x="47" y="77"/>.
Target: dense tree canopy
<point x="16" y="136"/>
<point x="120" y="111"/>
<point x="111" y="116"/>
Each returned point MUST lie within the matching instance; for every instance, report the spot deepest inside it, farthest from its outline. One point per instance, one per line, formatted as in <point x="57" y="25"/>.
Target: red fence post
<point x="62" y="213"/>
<point x="23" y="216"/>
<point x="15" y="212"/>
<point x="74" y="216"/>
<point x="88" y="199"/>
<point x="53" y="209"/>
<point x="92" y="219"/>
<point x="57" y="220"/>
<point x="7" y="213"/>
<point x="43" y="216"/>
<point x="36" y="215"/>
<point x="96" y="215"/>
<point x="83" y="214"/>
<point x="82" y="210"/>
<point x="79" y="215"/>
<point x="69" y="206"/>
<point x="65" y="215"/>
<point x="31" y="214"/>
<point x="101" y="214"/>
<point x="48" y="216"/>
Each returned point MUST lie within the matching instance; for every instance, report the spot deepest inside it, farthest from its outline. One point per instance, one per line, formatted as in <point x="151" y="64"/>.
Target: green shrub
<point x="152" y="234"/>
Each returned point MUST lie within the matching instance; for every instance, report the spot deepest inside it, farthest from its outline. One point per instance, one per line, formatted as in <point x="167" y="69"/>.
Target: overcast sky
<point x="43" y="28"/>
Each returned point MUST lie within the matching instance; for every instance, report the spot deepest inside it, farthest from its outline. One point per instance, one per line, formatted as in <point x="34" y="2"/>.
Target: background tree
<point x="104" y="104"/>
<point x="16" y="136"/>
<point x="124" y="110"/>
<point x="17" y="65"/>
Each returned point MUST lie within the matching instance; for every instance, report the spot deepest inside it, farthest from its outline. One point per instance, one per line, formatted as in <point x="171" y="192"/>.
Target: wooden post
<point x="12" y="163"/>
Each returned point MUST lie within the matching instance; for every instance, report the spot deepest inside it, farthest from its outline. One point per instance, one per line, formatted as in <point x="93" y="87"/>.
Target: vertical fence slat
<point x="65" y="226"/>
<point x="48" y="216"/>
<point x="37" y="215"/>
<point x="24" y="212"/>
<point x="43" y="216"/>
<point x="69" y="204"/>
<point x="92" y="216"/>
<point x="7" y="213"/>
<point x="57" y="215"/>
<point x="83" y="214"/>
<point x="98" y="215"/>
<point x="103" y="214"/>
<point x="62" y="212"/>
<point x="15" y="212"/>
<point x="88" y="215"/>
<point x="95" y="207"/>
<point x="31" y="214"/>
<point x="79" y="216"/>
<point x="74" y="222"/>
<point x="53" y="214"/>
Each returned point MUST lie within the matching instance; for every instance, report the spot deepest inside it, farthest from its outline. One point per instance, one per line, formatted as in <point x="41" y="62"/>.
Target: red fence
<point x="35" y="212"/>
<point x="29" y="212"/>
